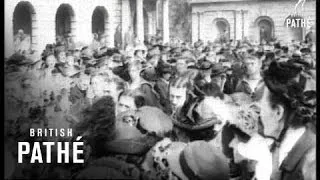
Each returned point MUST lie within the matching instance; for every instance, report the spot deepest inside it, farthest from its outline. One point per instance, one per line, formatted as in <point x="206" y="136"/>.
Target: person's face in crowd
<point x="97" y="83"/>
<point x="104" y="50"/>
<point x="139" y="53"/>
<point x="252" y="66"/>
<point x="181" y="66"/>
<point x="266" y="64"/>
<point x="84" y="83"/>
<point x="26" y="83"/>
<point x="88" y="52"/>
<point x="70" y="60"/>
<point x="62" y="57"/>
<point x="112" y="64"/>
<point x="153" y="42"/>
<point x="166" y="76"/>
<point x="95" y="36"/>
<point x="103" y="40"/>
<point x="154" y="61"/>
<point x="76" y="54"/>
<point x="200" y="49"/>
<point x="271" y="116"/>
<point x="125" y="103"/>
<point x="308" y="58"/>
<point x="177" y="97"/>
<point x="220" y="80"/>
<point x="164" y="57"/>
<point x="134" y="71"/>
<point x="206" y="73"/>
<point x="51" y="61"/>
<point x="110" y="89"/>
<point x="23" y="68"/>
<point x="211" y="57"/>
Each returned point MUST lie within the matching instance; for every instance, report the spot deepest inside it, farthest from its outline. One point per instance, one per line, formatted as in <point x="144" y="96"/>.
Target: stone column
<point x="8" y="38"/>
<point x="140" y="24"/>
<point x="125" y="19"/>
<point x="239" y="25"/>
<point x="157" y="14"/>
<point x="165" y="21"/>
<point x="194" y="27"/>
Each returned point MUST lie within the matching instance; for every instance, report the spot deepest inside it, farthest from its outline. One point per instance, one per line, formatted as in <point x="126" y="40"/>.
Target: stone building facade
<point x="239" y="19"/>
<point x="43" y="20"/>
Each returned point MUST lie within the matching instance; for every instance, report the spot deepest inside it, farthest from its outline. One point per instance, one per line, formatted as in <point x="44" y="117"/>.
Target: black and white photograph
<point x="160" y="89"/>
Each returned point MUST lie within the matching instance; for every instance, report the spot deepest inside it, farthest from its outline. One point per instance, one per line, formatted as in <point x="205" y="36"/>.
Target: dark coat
<point x="162" y="89"/>
<point x="298" y="158"/>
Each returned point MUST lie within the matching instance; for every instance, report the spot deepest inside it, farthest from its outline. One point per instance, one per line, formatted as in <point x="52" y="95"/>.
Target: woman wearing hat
<point x="197" y="160"/>
<point x="135" y="82"/>
<point x="164" y="72"/>
<point x="120" y="144"/>
<point x="285" y="142"/>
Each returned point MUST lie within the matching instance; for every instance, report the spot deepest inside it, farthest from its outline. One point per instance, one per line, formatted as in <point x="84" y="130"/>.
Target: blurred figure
<point x="95" y="42"/>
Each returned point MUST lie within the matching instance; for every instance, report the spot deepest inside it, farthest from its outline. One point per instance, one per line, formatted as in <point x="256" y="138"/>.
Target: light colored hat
<point x="151" y="119"/>
<point x="154" y="120"/>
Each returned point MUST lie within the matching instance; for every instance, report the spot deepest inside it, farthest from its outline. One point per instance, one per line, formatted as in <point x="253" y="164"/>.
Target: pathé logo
<point x="297" y="20"/>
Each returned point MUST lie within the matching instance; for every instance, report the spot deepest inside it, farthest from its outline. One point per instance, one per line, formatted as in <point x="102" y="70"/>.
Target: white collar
<point x="290" y="139"/>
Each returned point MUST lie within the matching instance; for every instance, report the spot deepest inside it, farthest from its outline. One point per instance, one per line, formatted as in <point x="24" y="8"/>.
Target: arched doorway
<point x="266" y="28"/>
<point x="99" y="21"/>
<point x="65" y="21"/>
<point x="222" y="29"/>
<point x="295" y="33"/>
<point x="24" y="18"/>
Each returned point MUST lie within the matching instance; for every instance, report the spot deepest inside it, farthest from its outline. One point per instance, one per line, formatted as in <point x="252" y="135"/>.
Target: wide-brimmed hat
<point x="205" y="65"/>
<point x="164" y="68"/>
<point x="198" y="44"/>
<point x="305" y="50"/>
<point x="117" y="58"/>
<point x="19" y="60"/>
<point x="197" y="160"/>
<point x="129" y="140"/>
<point x="201" y="115"/>
<point x="296" y="54"/>
<point x="160" y="123"/>
<point x="218" y="69"/>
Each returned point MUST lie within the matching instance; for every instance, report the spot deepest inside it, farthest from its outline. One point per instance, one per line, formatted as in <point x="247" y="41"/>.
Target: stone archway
<point x="222" y="29"/>
<point x="265" y="27"/>
<point x="100" y="21"/>
<point x="65" y="20"/>
<point x="24" y="18"/>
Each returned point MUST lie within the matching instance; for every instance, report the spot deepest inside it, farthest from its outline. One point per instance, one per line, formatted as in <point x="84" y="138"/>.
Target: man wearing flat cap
<point x="251" y="79"/>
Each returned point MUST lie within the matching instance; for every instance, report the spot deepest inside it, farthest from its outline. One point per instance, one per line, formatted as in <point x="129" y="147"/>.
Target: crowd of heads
<point x="136" y="100"/>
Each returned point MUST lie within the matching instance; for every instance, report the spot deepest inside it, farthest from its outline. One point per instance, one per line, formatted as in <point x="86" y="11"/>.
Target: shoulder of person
<point x="109" y="168"/>
<point x="309" y="164"/>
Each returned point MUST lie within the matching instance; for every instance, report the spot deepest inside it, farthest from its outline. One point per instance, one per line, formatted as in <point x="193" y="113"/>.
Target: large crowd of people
<point x="176" y="110"/>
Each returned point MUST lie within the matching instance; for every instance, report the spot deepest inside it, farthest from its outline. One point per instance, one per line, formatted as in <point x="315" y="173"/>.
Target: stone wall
<point x="242" y="17"/>
<point x="180" y="19"/>
<point x="43" y="21"/>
